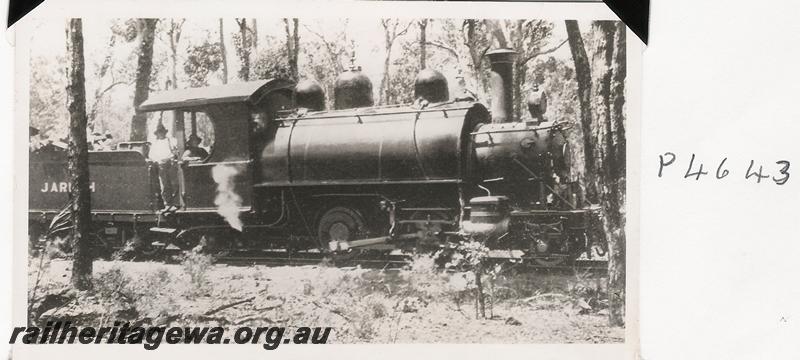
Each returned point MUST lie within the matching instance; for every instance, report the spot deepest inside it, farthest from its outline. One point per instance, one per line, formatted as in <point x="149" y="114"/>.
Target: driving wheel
<point x="341" y="224"/>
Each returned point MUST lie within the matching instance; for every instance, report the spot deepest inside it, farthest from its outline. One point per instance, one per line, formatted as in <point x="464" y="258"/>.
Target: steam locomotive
<point x="283" y="172"/>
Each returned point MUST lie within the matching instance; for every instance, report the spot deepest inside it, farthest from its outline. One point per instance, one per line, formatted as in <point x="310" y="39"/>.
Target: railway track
<point x="385" y="262"/>
<point x="371" y="260"/>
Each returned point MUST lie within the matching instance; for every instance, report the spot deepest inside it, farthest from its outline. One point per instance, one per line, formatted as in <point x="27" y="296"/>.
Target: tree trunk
<point x="519" y="69"/>
<point x="146" y="34"/>
<point x="583" y="76"/>
<point x="384" y="88"/>
<point x="423" y="38"/>
<point x="296" y="46"/>
<point x="614" y="199"/>
<point x="618" y="97"/>
<point x="603" y="45"/>
<point x="78" y="158"/>
<point x="390" y="36"/>
<point x="174" y="39"/>
<point x="224" y="53"/>
<point x="292" y="46"/>
<point x="608" y="159"/>
<point x="254" y="28"/>
<point x="480" y="299"/>
<point x="244" y="50"/>
<point x="476" y="56"/>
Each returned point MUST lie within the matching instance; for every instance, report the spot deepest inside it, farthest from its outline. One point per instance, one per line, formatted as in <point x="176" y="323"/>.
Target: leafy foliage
<point x="557" y="78"/>
<point x="243" y="43"/>
<point x="126" y="29"/>
<point x="196" y="264"/>
<point x="201" y="61"/>
<point x="404" y="69"/>
<point x="272" y="61"/>
<point x="48" y="112"/>
<point x="451" y="45"/>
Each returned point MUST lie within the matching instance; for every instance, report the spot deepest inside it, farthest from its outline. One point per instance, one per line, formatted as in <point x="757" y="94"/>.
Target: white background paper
<point x="720" y="272"/>
<point x="719" y="276"/>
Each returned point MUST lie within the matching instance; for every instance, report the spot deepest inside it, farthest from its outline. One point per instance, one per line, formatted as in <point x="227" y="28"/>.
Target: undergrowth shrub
<point x="423" y="278"/>
<point x="588" y="292"/>
<point x="196" y="265"/>
<point x="377" y="309"/>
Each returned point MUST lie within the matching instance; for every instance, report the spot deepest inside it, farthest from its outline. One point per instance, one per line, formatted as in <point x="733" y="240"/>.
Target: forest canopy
<point x="193" y="53"/>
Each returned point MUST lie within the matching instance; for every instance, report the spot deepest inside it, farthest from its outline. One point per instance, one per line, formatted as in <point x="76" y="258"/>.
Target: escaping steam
<point x="228" y="201"/>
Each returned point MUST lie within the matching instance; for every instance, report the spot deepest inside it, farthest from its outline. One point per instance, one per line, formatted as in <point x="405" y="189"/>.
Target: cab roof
<point x="241" y="92"/>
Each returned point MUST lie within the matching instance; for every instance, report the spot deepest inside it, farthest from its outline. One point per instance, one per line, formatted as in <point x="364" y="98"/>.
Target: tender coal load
<point x="353" y="89"/>
<point x="537" y="103"/>
<point x="310" y="95"/>
<point x="431" y="86"/>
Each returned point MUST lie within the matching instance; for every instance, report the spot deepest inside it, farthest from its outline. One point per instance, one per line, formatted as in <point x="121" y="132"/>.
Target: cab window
<point x="199" y="136"/>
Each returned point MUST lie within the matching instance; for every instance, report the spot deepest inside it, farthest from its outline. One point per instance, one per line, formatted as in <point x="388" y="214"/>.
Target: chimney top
<point x="501" y="55"/>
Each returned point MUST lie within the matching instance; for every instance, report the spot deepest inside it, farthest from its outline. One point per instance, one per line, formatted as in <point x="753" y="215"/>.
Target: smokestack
<point x="501" y="79"/>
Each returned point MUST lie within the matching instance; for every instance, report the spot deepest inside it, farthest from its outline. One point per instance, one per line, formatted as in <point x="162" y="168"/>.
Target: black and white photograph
<point x="348" y="180"/>
<point x="399" y="179"/>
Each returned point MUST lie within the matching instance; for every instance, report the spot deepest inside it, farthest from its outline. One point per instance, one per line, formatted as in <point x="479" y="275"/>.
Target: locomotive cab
<point x="227" y="119"/>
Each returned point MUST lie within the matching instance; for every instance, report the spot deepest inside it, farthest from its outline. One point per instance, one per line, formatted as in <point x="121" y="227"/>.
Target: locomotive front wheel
<point x="558" y="259"/>
<point x="341" y="224"/>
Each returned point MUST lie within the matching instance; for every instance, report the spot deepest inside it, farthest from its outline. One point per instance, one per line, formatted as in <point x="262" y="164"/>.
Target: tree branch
<point x="178" y="31"/>
<point x="479" y="60"/>
<point x="289" y="48"/>
<point x="404" y="31"/>
<point x="548" y="51"/>
<point x="109" y="87"/>
<point x="99" y="95"/>
<point x="230" y="305"/>
<point x="334" y="55"/>
<point x="443" y="47"/>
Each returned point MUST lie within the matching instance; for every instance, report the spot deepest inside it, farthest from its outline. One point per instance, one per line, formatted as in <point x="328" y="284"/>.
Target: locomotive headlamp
<point x="541" y="246"/>
<point x="537" y="104"/>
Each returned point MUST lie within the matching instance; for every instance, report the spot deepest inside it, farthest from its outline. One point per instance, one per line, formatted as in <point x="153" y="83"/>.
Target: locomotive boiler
<point x="284" y="172"/>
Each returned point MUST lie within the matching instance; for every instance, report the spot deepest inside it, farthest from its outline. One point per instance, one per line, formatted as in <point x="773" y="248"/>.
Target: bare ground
<point x="413" y="305"/>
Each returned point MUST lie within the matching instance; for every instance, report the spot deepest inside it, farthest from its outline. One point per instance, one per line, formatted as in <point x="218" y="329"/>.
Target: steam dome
<point x="431" y="85"/>
<point x="310" y="95"/>
<point x="353" y="89"/>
